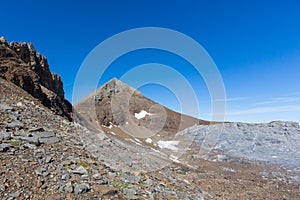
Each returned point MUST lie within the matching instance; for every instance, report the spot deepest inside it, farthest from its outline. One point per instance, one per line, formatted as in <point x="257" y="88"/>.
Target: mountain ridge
<point x="22" y="65"/>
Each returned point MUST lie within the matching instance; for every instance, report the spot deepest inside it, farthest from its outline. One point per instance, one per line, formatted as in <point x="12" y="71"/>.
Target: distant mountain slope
<point x="22" y="65"/>
<point x="116" y="103"/>
<point x="275" y="142"/>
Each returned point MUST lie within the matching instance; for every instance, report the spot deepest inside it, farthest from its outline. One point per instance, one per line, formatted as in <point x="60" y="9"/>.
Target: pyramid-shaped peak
<point x="115" y="84"/>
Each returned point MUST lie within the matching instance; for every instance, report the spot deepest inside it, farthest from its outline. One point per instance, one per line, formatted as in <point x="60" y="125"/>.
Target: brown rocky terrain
<point x="45" y="156"/>
<point x="115" y="103"/>
<point x="22" y="65"/>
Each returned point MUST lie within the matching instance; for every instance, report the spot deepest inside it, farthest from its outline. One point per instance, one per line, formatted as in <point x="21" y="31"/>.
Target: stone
<point x="3" y="40"/>
<point x="30" y="146"/>
<point x="130" y="193"/>
<point x="2" y="188"/>
<point x="111" y="174"/>
<point x="43" y="134"/>
<point x="5" y="136"/>
<point x="81" y="188"/>
<point x="85" y="177"/>
<point x="14" y="125"/>
<point x="39" y="183"/>
<point x="133" y="179"/>
<point x="30" y="140"/>
<point x="15" y="194"/>
<point x="48" y="159"/>
<point x="148" y="182"/>
<point x="66" y="176"/>
<point x="4" y="147"/>
<point x="50" y="140"/>
<point x="40" y="171"/>
<point x="40" y="129"/>
<point x="5" y="107"/>
<point x="69" y="187"/>
<point x="103" y="181"/>
<point x="80" y="170"/>
<point x="105" y="190"/>
<point x="97" y="176"/>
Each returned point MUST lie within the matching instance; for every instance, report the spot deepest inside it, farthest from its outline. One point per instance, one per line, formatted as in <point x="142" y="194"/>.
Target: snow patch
<point x="168" y="145"/>
<point x="142" y="114"/>
<point x="149" y="140"/>
<point x="174" y="158"/>
<point x="112" y="133"/>
<point x="155" y="150"/>
<point x="137" y="140"/>
<point x="131" y="140"/>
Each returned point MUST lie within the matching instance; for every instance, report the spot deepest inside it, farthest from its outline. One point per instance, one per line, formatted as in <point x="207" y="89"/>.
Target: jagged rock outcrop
<point x="21" y="64"/>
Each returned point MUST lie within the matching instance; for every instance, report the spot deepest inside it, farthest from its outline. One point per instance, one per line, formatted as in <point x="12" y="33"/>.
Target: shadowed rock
<point x="21" y="64"/>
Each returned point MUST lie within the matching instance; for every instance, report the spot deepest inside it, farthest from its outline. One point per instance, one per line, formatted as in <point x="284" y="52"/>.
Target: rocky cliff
<point x="21" y="64"/>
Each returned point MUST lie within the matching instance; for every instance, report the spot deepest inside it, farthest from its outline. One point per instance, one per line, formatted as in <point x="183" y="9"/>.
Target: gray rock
<point x="37" y="130"/>
<point x="66" y="176"/>
<point x="2" y="188"/>
<point x="132" y="179"/>
<point x="5" y="136"/>
<point x="81" y="188"/>
<point x="46" y="173"/>
<point x="29" y="146"/>
<point x="4" y="147"/>
<point x="157" y="189"/>
<point x="15" y="124"/>
<point x="80" y="170"/>
<point x="130" y="193"/>
<point x="51" y="140"/>
<point x="5" y="107"/>
<point x="39" y="171"/>
<point x="43" y="134"/>
<point x="85" y="177"/>
<point x="15" y="194"/>
<point x="48" y="159"/>
<point x="103" y="181"/>
<point x="69" y="187"/>
<point x="96" y="176"/>
<point x="148" y="182"/>
<point x="111" y="174"/>
<point x="30" y="140"/>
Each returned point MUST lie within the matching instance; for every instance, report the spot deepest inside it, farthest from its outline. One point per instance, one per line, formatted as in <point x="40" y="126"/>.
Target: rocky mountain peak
<point x="116" y="103"/>
<point x="21" y="64"/>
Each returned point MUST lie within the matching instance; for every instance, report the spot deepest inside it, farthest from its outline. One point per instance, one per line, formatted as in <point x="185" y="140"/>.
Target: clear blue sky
<point x="255" y="44"/>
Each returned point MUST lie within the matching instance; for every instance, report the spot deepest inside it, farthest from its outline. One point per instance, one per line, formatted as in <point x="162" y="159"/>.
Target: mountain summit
<point x="117" y="104"/>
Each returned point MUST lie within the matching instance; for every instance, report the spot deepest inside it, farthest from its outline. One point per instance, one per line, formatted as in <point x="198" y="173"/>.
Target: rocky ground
<point x="43" y="156"/>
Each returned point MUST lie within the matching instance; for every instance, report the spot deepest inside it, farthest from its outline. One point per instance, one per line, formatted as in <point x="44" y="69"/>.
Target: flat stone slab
<point x="43" y="134"/>
<point x="49" y="140"/>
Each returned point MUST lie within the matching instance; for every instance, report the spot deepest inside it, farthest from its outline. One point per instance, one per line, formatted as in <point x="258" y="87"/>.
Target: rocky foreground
<point x="45" y="156"/>
<point x="42" y="157"/>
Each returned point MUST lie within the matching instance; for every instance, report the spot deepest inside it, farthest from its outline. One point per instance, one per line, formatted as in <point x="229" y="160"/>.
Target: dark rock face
<point x="21" y="64"/>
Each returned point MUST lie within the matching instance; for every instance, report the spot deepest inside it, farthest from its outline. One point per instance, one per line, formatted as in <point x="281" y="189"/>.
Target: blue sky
<point x="255" y="45"/>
